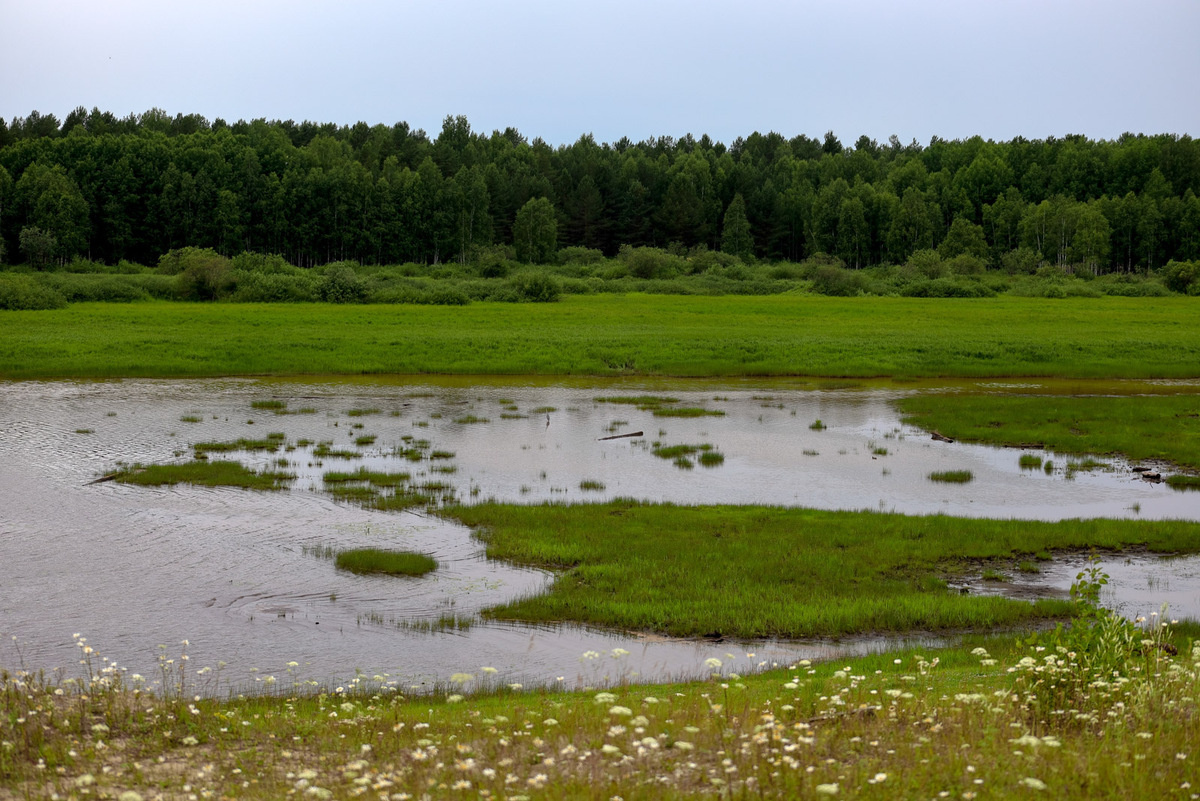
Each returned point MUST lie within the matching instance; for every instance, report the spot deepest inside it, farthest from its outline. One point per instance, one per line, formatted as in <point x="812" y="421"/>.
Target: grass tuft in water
<point x="205" y="474"/>
<point x="364" y="440"/>
<point x="817" y="425"/>
<point x="952" y="476"/>
<point x="268" y="404"/>
<point x="1181" y="482"/>
<point x="393" y="563"/>
<point x="191" y="418"/>
<point x="1030" y="461"/>
<point x="687" y="411"/>
<point x="242" y="444"/>
<point x="590" y="485"/>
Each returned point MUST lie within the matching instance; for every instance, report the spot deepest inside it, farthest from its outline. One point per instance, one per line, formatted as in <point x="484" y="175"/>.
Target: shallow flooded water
<point x="245" y="578"/>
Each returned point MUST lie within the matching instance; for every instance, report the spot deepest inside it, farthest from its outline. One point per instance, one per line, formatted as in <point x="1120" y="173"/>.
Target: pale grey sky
<point x="558" y="69"/>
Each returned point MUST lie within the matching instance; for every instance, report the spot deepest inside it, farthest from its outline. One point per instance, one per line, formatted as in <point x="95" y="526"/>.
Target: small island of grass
<point x="393" y="563"/>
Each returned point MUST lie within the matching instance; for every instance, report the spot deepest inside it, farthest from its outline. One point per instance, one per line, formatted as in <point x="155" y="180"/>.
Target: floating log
<point x="621" y="436"/>
<point x="102" y="479"/>
<point x="939" y="437"/>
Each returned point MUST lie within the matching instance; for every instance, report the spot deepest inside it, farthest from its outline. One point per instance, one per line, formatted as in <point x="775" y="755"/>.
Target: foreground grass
<point x="773" y="572"/>
<point x="1106" y="717"/>
<point x="614" y="335"/>
<point x="1158" y="427"/>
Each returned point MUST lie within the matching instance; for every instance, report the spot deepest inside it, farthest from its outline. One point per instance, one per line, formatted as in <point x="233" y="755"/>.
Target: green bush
<point x="341" y="284"/>
<point x="203" y="274"/>
<point x="263" y="263"/>
<point x="535" y="287"/>
<point x="651" y="262"/>
<point x="579" y="255"/>
<point x="1182" y="276"/>
<point x="257" y="287"/>
<point x="828" y="279"/>
<point x="23" y="293"/>
<point x="966" y="264"/>
<point x="84" y="287"/>
<point x="947" y="288"/>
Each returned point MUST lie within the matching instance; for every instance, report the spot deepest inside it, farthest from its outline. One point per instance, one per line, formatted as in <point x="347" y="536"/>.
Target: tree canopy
<point x="139" y="186"/>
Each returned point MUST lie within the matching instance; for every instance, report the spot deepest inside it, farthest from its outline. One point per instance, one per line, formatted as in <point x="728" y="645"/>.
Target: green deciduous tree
<point x="51" y="201"/>
<point x="38" y="246"/>
<point x="736" y="238"/>
<point x="535" y="232"/>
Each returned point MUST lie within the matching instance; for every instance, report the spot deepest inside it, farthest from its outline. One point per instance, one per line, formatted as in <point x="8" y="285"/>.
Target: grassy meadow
<point x="606" y="335"/>
<point x="755" y="572"/>
<point x="1104" y="708"/>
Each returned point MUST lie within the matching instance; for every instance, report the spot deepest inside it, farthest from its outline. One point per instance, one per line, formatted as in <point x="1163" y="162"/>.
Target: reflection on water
<point x="243" y="576"/>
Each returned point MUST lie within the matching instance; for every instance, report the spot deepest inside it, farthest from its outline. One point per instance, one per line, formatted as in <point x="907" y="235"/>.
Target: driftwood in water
<point x="621" y="436"/>
<point x="939" y="437"/>
<point x="102" y="479"/>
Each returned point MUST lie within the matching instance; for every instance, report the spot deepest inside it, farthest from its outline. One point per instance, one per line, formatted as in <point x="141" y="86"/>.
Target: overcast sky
<point x="560" y="69"/>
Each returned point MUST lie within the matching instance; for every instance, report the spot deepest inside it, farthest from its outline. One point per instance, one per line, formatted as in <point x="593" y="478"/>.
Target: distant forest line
<point x="110" y="189"/>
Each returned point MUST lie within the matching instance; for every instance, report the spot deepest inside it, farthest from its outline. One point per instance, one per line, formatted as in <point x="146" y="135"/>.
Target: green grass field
<point x="772" y="572"/>
<point x="615" y="335"/>
<point x="1158" y="427"/>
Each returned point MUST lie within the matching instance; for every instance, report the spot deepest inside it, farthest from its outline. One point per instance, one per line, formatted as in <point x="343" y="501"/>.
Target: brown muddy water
<point x="243" y="576"/>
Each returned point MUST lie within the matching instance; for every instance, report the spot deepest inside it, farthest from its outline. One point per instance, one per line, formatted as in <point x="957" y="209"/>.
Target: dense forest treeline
<point x="134" y="188"/>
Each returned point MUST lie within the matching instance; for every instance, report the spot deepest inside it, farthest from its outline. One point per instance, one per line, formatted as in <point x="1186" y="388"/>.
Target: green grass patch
<point x="603" y="335"/>
<point x="643" y="402"/>
<point x="675" y="451"/>
<point x="364" y="440"/>
<point x="1144" y="427"/>
<point x="362" y="412"/>
<point x="817" y="425"/>
<point x="687" y="411"/>
<point x="302" y="410"/>
<point x="1183" y="482"/>
<point x="393" y="563"/>
<point x="204" y="474"/>
<point x="542" y="410"/>
<point x="952" y="476"/>
<point x="470" y="419"/>
<point x="590" y="485"/>
<point x="711" y="458"/>
<point x="269" y="444"/>
<point x="1030" y="461"/>
<point x="771" y="572"/>
<point x="373" y="477"/>
<point x="274" y="405"/>
<point x="191" y="418"/>
<point x="325" y="450"/>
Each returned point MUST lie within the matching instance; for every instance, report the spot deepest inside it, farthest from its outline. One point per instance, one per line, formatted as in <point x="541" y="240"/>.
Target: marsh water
<point x="245" y="577"/>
